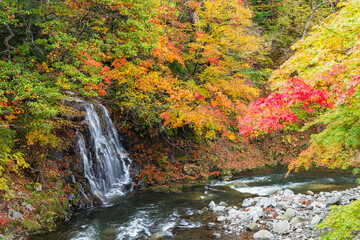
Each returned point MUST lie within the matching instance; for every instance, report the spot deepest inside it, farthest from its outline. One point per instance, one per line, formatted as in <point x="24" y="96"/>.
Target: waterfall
<point x="106" y="164"/>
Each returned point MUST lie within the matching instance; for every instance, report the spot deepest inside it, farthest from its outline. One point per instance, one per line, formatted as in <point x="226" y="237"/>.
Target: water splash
<point x="106" y="163"/>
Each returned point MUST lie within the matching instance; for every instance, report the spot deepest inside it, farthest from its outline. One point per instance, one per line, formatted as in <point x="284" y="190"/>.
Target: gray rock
<point x="256" y="213"/>
<point x="253" y="227"/>
<point x="219" y="209"/>
<point x="289" y="214"/>
<point x="210" y="225"/>
<point x="212" y="205"/>
<point x="309" y="193"/>
<point x="315" y="220"/>
<point x="221" y="219"/>
<point x="288" y="192"/>
<point x="29" y="207"/>
<point x="280" y="192"/>
<point x="17" y="215"/>
<point x="248" y="202"/>
<point x="297" y="219"/>
<point x="281" y="227"/>
<point x="264" y="202"/>
<point x="263" y="234"/>
<point x="336" y="200"/>
<point x="216" y="235"/>
<point x="222" y="203"/>
<point x="273" y="202"/>
<point x="232" y="213"/>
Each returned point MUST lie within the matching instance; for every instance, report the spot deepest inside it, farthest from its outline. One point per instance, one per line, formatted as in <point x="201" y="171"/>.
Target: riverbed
<point x="149" y="215"/>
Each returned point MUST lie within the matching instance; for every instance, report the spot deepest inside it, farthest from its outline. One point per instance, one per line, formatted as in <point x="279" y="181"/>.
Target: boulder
<point x="255" y="213"/>
<point x="221" y="219"/>
<point x="298" y="219"/>
<point x="222" y="203"/>
<point x="264" y="202"/>
<point x="212" y="205"/>
<point x="288" y="192"/>
<point x="289" y="214"/>
<point x="315" y="220"/>
<point x="281" y="227"/>
<point x="216" y="235"/>
<point x="248" y="202"/>
<point x="253" y="227"/>
<point x="219" y="209"/>
<point x="17" y="215"/>
<point x="263" y="234"/>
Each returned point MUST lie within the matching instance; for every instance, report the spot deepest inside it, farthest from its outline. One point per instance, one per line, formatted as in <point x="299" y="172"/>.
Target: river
<point x="149" y="215"/>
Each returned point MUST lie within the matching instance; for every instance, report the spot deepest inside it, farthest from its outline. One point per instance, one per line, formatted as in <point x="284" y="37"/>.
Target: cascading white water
<point x="106" y="164"/>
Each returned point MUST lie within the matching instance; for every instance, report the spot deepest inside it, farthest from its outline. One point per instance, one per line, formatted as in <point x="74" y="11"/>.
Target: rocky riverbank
<point x="283" y="215"/>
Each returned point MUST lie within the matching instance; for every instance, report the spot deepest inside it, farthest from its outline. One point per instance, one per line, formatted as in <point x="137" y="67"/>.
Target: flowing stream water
<point x="148" y="215"/>
<point x="129" y="214"/>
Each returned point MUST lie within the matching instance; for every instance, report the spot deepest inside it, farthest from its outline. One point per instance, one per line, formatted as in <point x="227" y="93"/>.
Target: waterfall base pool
<point x="148" y="215"/>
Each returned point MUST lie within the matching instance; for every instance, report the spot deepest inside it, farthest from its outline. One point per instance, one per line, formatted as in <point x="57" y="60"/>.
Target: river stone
<point x="297" y="219"/>
<point x="281" y="227"/>
<point x="333" y="201"/>
<point x="233" y="213"/>
<point x="264" y="202"/>
<point x="210" y="225"/>
<point x="289" y="214"/>
<point x="310" y="193"/>
<point x="253" y="227"/>
<point x="316" y="220"/>
<point x="221" y="219"/>
<point x="219" y="209"/>
<point x="248" y="202"/>
<point x="222" y="203"/>
<point x="17" y="215"/>
<point x="263" y="234"/>
<point x="216" y="235"/>
<point x="288" y="192"/>
<point x="212" y="205"/>
<point x="256" y="213"/>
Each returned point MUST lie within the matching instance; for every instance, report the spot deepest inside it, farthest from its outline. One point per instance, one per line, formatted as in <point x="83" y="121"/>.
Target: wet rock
<point x="315" y="220"/>
<point x="212" y="205"/>
<point x="216" y="235"/>
<point x="248" y="202"/>
<point x="263" y="234"/>
<point x="222" y="203"/>
<point x="219" y="209"/>
<point x="221" y="219"/>
<point x="253" y="227"/>
<point x="289" y="214"/>
<point x="281" y="227"/>
<point x="210" y="225"/>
